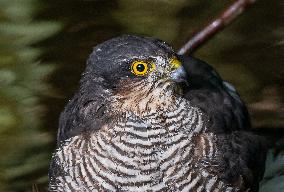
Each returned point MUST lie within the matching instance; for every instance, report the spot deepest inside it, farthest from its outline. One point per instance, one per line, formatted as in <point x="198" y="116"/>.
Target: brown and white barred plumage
<point x="155" y="153"/>
<point x="156" y="140"/>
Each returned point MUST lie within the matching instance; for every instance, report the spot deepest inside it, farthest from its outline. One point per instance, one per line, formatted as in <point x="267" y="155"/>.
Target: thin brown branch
<point x="35" y="188"/>
<point x="225" y="18"/>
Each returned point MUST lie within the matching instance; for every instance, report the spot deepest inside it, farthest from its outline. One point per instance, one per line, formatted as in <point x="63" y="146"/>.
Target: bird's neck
<point x="143" y="99"/>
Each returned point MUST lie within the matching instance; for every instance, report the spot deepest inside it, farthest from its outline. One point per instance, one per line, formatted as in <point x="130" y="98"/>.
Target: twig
<point x="35" y="188"/>
<point x="225" y="18"/>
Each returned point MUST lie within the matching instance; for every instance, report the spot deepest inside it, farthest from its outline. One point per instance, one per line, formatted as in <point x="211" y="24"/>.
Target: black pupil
<point x="140" y="67"/>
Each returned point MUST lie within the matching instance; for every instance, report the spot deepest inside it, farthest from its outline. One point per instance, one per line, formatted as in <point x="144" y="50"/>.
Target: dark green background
<point x="44" y="45"/>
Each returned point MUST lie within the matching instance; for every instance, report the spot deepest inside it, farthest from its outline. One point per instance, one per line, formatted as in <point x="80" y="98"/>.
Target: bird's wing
<point x="237" y="159"/>
<point x="239" y="156"/>
<point x="84" y="113"/>
<point x="217" y="99"/>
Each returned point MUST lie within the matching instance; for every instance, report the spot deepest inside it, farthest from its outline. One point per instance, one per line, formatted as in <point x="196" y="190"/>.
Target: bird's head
<point x="137" y="70"/>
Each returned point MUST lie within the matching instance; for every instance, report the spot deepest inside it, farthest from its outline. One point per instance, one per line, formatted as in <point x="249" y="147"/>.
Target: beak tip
<point x="179" y="75"/>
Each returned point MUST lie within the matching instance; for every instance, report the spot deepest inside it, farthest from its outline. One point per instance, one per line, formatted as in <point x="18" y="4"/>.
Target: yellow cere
<point x="175" y="62"/>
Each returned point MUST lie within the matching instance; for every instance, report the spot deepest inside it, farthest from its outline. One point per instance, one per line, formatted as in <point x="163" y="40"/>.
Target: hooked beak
<point x="179" y="75"/>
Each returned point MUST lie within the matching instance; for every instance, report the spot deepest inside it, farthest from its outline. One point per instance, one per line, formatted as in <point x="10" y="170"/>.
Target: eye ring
<point x="139" y="68"/>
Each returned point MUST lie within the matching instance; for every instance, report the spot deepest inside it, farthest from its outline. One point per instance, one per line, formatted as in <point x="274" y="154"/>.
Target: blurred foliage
<point x="248" y="53"/>
<point x="22" y="142"/>
<point x="143" y="16"/>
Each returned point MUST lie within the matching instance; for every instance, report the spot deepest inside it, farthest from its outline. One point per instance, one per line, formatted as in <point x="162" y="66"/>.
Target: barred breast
<point x="156" y="152"/>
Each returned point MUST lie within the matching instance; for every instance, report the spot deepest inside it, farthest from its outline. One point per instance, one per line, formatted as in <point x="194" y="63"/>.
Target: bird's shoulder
<point x="216" y="98"/>
<point x="237" y="156"/>
<point x="85" y="112"/>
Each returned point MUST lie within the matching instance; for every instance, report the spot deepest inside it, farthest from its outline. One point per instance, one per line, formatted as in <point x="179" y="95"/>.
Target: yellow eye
<point x="139" y="68"/>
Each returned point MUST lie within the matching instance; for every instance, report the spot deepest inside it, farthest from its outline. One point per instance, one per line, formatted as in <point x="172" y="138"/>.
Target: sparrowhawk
<point x="147" y="119"/>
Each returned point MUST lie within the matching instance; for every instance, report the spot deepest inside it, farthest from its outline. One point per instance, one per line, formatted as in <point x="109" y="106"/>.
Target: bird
<point x="147" y="119"/>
